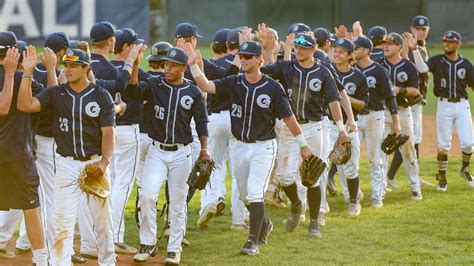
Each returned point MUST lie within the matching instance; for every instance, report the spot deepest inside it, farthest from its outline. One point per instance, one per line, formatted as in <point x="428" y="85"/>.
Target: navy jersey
<point x="173" y="108"/>
<point x="134" y="111"/>
<point x="424" y="77"/>
<point x="254" y="107"/>
<point x="16" y="136"/>
<point x="225" y="61"/>
<point x="402" y="74"/>
<point x="42" y="122"/>
<point x="102" y="68"/>
<point x="309" y="89"/>
<point x="211" y="70"/>
<point x="215" y="105"/>
<point x="116" y="85"/>
<point x="321" y="56"/>
<point x="376" y="54"/>
<point x="78" y="118"/>
<point x="355" y="85"/>
<point x="379" y="85"/>
<point x="147" y="107"/>
<point x="451" y="78"/>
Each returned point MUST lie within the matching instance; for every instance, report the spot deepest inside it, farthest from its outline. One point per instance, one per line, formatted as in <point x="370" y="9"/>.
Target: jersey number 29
<point x="236" y="111"/>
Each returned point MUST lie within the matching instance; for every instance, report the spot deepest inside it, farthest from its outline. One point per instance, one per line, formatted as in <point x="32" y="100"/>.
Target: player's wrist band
<point x="340" y="125"/>
<point x="301" y="140"/>
<point x="128" y="65"/>
<point x="27" y="76"/>
<point x="203" y="149"/>
<point x="195" y="71"/>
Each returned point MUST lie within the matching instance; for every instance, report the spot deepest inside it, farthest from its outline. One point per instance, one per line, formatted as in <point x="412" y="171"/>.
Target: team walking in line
<point x="261" y="104"/>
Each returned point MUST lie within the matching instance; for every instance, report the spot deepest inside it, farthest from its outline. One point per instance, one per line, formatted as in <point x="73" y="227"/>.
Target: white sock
<point x="40" y="257"/>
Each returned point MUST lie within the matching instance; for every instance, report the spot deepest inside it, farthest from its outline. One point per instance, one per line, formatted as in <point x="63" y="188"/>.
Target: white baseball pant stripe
<point x="449" y="115"/>
<point x="275" y="179"/>
<point x="67" y="196"/>
<point x="124" y="167"/>
<point x="253" y="164"/>
<point x="145" y="143"/>
<point x="417" y="114"/>
<point x="196" y="144"/>
<point x="175" y="167"/>
<point x="327" y="147"/>
<point x="371" y="128"/>
<point x="407" y="150"/>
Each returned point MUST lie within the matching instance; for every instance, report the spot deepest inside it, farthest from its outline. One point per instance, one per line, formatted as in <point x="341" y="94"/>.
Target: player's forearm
<point x="203" y="141"/>
<point x="26" y="102"/>
<point x="357" y="104"/>
<point x="52" y="78"/>
<point x="108" y="142"/>
<point x="6" y="95"/>
<point x="268" y="57"/>
<point x="346" y="105"/>
<point x="335" y="110"/>
<point x="133" y="76"/>
<point x="395" y="119"/>
<point x="420" y="64"/>
<point x="201" y="81"/>
<point x="292" y="125"/>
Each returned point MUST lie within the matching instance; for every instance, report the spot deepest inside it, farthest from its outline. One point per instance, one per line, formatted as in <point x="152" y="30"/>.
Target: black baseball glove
<point x="311" y="170"/>
<point x="391" y="142"/>
<point x="201" y="174"/>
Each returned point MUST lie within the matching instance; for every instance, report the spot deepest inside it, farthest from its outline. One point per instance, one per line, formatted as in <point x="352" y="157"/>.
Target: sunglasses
<point x="302" y="42"/>
<point x="246" y="56"/>
<point x="71" y="58"/>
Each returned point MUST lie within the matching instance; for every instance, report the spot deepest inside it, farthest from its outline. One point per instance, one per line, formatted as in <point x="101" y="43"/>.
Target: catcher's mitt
<point x="341" y="153"/>
<point x="311" y="169"/>
<point x="200" y="174"/>
<point x="92" y="183"/>
<point x="391" y="143"/>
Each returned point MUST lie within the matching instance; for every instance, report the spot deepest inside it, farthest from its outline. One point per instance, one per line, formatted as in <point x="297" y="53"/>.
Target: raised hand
<point x="49" y="58"/>
<point x="341" y="31"/>
<point x="10" y="62"/>
<point x="120" y="103"/>
<point x="245" y="35"/>
<point x="357" y="29"/>
<point x="410" y="40"/>
<point x="192" y="55"/>
<point x="134" y="53"/>
<point x="180" y="43"/>
<point x="29" y="59"/>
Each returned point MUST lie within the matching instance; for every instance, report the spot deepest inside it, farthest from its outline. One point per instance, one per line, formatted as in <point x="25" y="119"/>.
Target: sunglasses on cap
<point x="246" y="56"/>
<point x="388" y="38"/>
<point x="71" y="58"/>
<point x="303" y="42"/>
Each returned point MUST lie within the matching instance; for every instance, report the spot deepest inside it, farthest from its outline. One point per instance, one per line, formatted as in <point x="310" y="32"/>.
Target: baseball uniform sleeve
<point x="413" y="78"/>
<point x="46" y="97"/>
<point x="117" y="85"/>
<point x="282" y="108"/>
<point x="330" y="89"/>
<point x="107" y="110"/>
<point x="362" y="91"/>
<point x="334" y="75"/>
<point x="385" y="84"/>
<point x="274" y="70"/>
<point x="431" y="63"/>
<point x="224" y="86"/>
<point x="140" y="91"/>
<point x="212" y="71"/>
<point x="200" y="115"/>
<point x="470" y="75"/>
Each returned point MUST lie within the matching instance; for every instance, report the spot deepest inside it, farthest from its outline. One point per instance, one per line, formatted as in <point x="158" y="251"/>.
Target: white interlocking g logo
<point x="92" y="109"/>
<point x="350" y="88"/>
<point x="371" y="81"/>
<point x="263" y="101"/>
<point x="402" y="77"/>
<point x="186" y="102"/>
<point x="315" y="84"/>
<point x="461" y="73"/>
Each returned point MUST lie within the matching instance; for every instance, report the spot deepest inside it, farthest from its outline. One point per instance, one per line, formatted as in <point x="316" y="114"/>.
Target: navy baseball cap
<point x="73" y="44"/>
<point x="304" y="40"/>
<point x="393" y="37"/>
<point x="322" y="34"/>
<point x="346" y="44"/>
<point x="377" y="33"/>
<point x="420" y="22"/>
<point x="7" y="39"/>
<point x="102" y="31"/>
<point x="186" y="30"/>
<point x="158" y="51"/>
<point x="452" y="36"/>
<point x="220" y="37"/>
<point x="250" y="48"/>
<point x="57" y="41"/>
<point x="176" y="55"/>
<point x="76" y="56"/>
<point x="364" y="42"/>
<point x="21" y="46"/>
<point x="126" y="36"/>
<point x="233" y="36"/>
<point x="298" y="28"/>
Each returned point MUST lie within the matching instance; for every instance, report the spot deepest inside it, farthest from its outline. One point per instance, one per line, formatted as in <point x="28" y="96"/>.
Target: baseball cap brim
<point x="155" y="58"/>
<point x="82" y="63"/>
<point x="304" y="45"/>
<point x="165" y="58"/>
<point x="249" y="53"/>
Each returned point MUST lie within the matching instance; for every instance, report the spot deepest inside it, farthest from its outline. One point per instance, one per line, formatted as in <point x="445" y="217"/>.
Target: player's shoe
<point x="146" y="251"/>
<point x="313" y="229"/>
<point x="122" y="248"/>
<point x="6" y="254"/>
<point x="90" y="254"/>
<point x="250" y="248"/>
<point x="220" y="206"/>
<point x="239" y="227"/>
<point x="353" y="209"/>
<point x="442" y="183"/>
<point x="392" y="184"/>
<point x="272" y="199"/>
<point x="377" y="204"/>
<point x="332" y="187"/>
<point x="416" y="196"/>
<point x="173" y="258"/>
<point x="294" y="217"/>
<point x="78" y="259"/>
<point x="466" y="174"/>
<point x="22" y="251"/>
<point x="321" y="220"/>
<point x="265" y="233"/>
<point x="185" y="242"/>
<point x="208" y="213"/>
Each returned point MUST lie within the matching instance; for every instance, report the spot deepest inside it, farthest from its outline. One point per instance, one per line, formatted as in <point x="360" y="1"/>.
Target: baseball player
<point x="371" y="120"/>
<point x="19" y="181"/>
<point x="175" y="103"/>
<point x="256" y="101"/>
<point x="404" y="78"/>
<point x="84" y="133"/>
<point x="102" y="35"/>
<point x="451" y="75"/>
<point x="355" y="85"/>
<point x="419" y="28"/>
<point x="376" y="34"/>
<point x="322" y="37"/>
<point x="315" y="87"/>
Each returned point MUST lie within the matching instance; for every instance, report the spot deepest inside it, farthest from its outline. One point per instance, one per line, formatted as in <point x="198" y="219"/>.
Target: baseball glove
<point x="200" y="174"/>
<point x="391" y="142"/>
<point x="341" y="153"/>
<point x="93" y="182"/>
<point x="311" y="169"/>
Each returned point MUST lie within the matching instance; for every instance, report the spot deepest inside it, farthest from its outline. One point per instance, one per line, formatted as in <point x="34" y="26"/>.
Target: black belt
<point x="303" y="121"/>
<point x="364" y="112"/>
<point x="452" y="100"/>
<point x="247" y="141"/>
<point x="166" y="147"/>
<point x="81" y="158"/>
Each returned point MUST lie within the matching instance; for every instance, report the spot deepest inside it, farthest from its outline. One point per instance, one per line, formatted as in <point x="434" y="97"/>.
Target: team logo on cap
<point x="371" y="81"/>
<point x="421" y="21"/>
<point x="350" y="88"/>
<point x="340" y="41"/>
<point x="154" y="50"/>
<point x="186" y="102"/>
<point x="92" y="109"/>
<point x="244" y="46"/>
<point x="315" y="84"/>
<point x="402" y="76"/>
<point x="295" y="28"/>
<point x="263" y="101"/>
<point x="173" y="53"/>
<point x="69" y="53"/>
<point x="461" y="73"/>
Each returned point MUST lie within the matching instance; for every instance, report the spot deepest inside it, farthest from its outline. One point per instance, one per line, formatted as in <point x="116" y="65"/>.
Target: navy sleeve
<point x="470" y="75"/>
<point x="200" y="116"/>
<point x="274" y="70"/>
<point x="140" y="91"/>
<point x="430" y="63"/>
<point x="46" y="97"/>
<point x="213" y="71"/>
<point x="107" y="110"/>
<point x="117" y="85"/>
<point x="333" y="72"/>
<point x="413" y="78"/>
<point x="282" y="108"/>
<point x="362" y="92"/>
<point x="331" y="92"/>
<point x="223" y="87"/>
<point x="36" y="88"/>
<point x="384" y="83"/>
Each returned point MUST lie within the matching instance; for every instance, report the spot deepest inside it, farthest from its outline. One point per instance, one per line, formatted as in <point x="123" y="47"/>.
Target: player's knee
<point x="287" y="179"/>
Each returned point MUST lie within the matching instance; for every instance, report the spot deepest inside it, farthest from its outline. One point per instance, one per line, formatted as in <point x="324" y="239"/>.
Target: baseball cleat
<point x="466" y="174"/>
<point x="250" y="248"/>
<point x="239" y="227"/>
<point x="220" y="206"/>
<point x="272" y="199"/>
<point x="416" y="196"/>
<point x="185" y="243"/>
<point x="313" y="229"/>
<point x="377" y="204"/>
<point x="173" y="258"/>
<point x="146" y="251"/>
<point x="442" y="183"/>
<point x="208" y="213"/>
<point x="294" y="217"/>
<point x="21" y="251"/>
<point x="353" y="209"/>
<point x="321" y="220"/>
<point x="6" y="254"/>
<point x="392" y="184"/>
<point x="90" y="254"/>
<point x="122" y="248"/>
<point x="265" y="233"/>
<point x="78" y="259"/>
